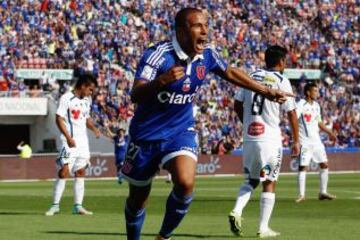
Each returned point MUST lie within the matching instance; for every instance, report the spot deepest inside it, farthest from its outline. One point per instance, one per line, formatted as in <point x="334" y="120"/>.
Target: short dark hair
<point x="86" y="78"/>
<point x="273" y="55"/>
<point x="181" y="16"/>
<point x="309" y="86"/>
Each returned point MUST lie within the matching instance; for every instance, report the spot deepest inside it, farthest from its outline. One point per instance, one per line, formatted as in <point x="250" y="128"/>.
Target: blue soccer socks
<point x="134" y="221"/>
<point x="176" y="209"/>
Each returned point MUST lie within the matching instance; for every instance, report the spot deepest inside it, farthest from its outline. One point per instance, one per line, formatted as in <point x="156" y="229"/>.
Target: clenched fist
<point x="175" y="73"/>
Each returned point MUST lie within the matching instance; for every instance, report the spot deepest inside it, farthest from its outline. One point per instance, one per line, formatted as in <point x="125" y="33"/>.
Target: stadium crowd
<point x="108" y="37"/>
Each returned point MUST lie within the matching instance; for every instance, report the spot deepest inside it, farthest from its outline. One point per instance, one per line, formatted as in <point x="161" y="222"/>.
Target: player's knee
<point x="136" y="202"/>
<point x="269" y="186"/>
<point x="135" y="205"/>
<point x="80" y="173"/>
<point x="184" y="187"/>
<point x="324" y="165"/>
<point x="254" y="183"/>
<point x="63" y="173"/>
<point x="138" y="196"/>
<point x="302" y="168"/>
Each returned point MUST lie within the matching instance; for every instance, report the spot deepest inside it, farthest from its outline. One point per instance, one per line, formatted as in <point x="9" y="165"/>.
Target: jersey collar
<point x="181" y="54"/>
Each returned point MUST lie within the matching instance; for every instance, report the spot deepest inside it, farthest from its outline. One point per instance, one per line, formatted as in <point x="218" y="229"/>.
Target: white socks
<point x="58" y="190"/>
<point x="243" y="198"/>
<point x="79" y="189"/>
<point x="267" y="202"/>
<point x="301" y="183"/>
<point x="323" y="179"/>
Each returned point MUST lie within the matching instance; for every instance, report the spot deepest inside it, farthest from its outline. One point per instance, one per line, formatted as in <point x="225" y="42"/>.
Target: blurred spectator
<point x="25" y="150"/>
<point x="95" y="35"/>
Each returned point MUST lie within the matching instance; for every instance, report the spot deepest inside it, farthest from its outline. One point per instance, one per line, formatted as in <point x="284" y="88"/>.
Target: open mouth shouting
<point x="200" y="45"/>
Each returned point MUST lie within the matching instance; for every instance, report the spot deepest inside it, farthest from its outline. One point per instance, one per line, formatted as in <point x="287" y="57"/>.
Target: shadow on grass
<point x="201" y="236"/>
<point x="19" y="213"/>
<point x="219" y="200"/>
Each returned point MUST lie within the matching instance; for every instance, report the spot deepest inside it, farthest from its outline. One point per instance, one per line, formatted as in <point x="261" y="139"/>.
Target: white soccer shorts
<point x="76" y="158"/>
<point x="314" y="152"/>
<point x="262" y="160"/>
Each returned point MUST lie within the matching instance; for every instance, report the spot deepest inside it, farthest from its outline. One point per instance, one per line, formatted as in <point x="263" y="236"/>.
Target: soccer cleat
<point x="168" y="178"/>
<point x="78" y="209"/>
<point x="300" y="199"/>
<point x="268" y="233"/>
<point x="235" y="223"/>
<point x="326" y="196"/>
<point x="158" y="237"/>
<point x="119" y="178"/>
<point x="54" y="209"/>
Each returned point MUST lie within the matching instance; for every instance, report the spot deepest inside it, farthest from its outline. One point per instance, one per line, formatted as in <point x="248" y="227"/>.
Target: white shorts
<point x="262" y="160"/>
<point x="314" y="152"/>
<point x="76" y="158"/>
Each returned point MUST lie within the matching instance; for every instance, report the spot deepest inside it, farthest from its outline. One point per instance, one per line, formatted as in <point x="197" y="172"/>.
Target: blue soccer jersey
<point x="171" y="111"/>
<point x="120" y="149"/>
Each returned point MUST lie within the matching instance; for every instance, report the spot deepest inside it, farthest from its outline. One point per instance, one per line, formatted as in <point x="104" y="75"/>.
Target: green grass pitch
<point x="22" y="207"/>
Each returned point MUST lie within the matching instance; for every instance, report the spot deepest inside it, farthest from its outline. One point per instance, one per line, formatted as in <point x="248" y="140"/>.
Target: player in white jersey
<point x="262" y="140"/>
<point x="309" y="117"/>
<point x="73" y="119"/>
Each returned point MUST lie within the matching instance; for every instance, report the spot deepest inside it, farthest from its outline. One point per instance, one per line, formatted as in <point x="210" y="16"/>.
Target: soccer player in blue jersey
<point x="161" y="132"/>
<point x="120" y="139"/>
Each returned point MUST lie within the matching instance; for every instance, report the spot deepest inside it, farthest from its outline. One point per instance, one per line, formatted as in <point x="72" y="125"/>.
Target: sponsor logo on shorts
<point x="265" y="171"/>
<point x="126" y="167"/>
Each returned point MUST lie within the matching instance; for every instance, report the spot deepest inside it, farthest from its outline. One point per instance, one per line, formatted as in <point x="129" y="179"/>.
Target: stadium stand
<point x="108" y="37"/>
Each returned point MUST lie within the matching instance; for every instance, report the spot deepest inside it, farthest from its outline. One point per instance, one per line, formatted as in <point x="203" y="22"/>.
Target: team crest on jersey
<point x="307" y="117"/>
<point x="75" y="113"/>
<point x="200" y="72"/>
<point x="186" y="85"/>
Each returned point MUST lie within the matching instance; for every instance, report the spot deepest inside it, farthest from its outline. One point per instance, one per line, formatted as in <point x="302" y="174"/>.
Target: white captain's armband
<point x="148" y="73"/>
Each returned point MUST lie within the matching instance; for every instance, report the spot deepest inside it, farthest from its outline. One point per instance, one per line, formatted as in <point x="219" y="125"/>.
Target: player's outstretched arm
<point x="143" y="90"/>
<point x="240" y="78"/>
<point x="295" y="149"/>
<point x="60" y="122"/>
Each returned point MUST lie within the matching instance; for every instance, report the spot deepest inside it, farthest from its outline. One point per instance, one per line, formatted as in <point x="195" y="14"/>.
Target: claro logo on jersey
<point x="176" y="98"/>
